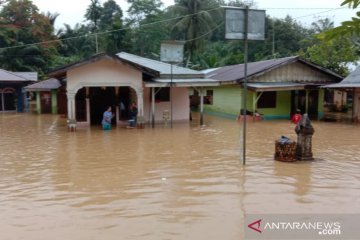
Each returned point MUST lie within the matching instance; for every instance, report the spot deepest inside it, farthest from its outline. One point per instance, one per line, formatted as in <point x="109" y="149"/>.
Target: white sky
<point x="72" y="11"/>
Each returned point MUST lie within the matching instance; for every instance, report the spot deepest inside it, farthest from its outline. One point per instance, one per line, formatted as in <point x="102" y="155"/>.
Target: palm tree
<point x="93" y="14"/>
<point x="194" y="23"/>
<point x="52" y="17"/>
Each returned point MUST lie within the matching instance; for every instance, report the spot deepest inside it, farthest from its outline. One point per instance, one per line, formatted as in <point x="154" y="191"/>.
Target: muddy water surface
<point x="180" y="183"/>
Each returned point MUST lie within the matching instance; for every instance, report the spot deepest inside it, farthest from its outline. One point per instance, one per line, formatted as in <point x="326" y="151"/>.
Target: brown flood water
<point x="180" y="183"/>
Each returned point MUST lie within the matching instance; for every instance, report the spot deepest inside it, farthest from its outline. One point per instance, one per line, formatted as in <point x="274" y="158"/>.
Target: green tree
<point x="22" y="24"/>
<point x="334" y="54"/>
<point x="148" y="28"/>
<point x="111" y="21"/>
<point x="111" y="13"/>
<point x="140" y="9"/>
<point x="348" y="28"/>
<point x="76" y="43"/>
<point x="192" y="23"/>
<point x="93" y="14"/>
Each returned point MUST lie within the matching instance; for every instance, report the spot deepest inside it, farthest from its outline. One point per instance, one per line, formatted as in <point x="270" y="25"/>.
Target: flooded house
<point x="50" y="96"/>
<point x="105" y="80"/>
<point x="12" y="95"/>
<point x="350" y="84"/>
<point x="277" y="87"/>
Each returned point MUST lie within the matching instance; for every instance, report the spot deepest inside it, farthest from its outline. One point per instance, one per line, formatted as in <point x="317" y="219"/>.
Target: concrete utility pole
<point x="246" y="24"/>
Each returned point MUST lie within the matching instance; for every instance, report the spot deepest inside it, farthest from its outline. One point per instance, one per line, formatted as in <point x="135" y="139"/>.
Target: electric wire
<point x="162" y="21"/>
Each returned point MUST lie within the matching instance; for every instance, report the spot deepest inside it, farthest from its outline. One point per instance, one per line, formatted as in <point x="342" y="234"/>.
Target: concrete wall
<point x="112" y="73"/>
<point x="227" y="101"/>
<point x="340" y="98"/>
<point x="181" y="103"/>
<point x="283" y="107"/>
<point x="105" y="72"/>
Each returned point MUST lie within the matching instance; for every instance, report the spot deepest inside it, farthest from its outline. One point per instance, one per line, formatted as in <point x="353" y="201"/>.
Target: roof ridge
<point x="153" y="60"/>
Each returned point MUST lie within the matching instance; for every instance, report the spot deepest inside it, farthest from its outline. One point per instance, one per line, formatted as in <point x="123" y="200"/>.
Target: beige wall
<point x="105" y="72"/>
<point x="111" y="73"/>
<point x="340" y="98"/>
<point x="181" y="105"/>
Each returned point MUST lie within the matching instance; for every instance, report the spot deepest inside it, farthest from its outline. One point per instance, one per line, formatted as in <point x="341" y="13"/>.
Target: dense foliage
<point x="199" y="22"/>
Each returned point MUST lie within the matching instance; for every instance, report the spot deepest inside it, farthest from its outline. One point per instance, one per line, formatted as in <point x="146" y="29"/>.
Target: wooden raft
<point x="285" y="152"/>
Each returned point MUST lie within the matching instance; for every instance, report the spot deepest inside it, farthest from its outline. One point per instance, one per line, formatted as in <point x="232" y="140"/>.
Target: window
<point x="162" y="94"/>
<point x="267" y="100"/>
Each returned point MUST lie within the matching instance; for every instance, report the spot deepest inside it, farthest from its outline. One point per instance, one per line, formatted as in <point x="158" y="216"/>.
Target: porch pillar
<point x="87" y="99"/>
<point x="25" y="102"/>
<point x="71" y="111"/>
<point x="240" y="101"/>
<point x="255" y="101"/>
<point x="354" y="105"/>
<point x="254" y="105"/>
<point x="201" y="106"/>
<point x="307" y="101"/>
<point x="20" y="100"/>
<point x="2" y="102"/>
<point x="117" y="106"/>
<point x="140" y="103"/>
<point x="153" y="107"/>
<point x="38" y="103"/>
<point x="53" y="102"/>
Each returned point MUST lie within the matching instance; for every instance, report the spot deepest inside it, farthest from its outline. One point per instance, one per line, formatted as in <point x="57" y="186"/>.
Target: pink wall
<point x="181" y="105"/>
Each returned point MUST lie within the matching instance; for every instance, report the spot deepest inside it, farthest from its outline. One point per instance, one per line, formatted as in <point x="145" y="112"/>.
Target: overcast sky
<point x="72" y="11"/>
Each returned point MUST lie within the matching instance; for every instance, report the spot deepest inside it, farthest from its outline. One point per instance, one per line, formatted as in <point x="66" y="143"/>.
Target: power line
<point x="162" y="21"/>
<point x="107" y="32"/>
<point x="211" y="30"/>
<point x="330" y="10"/>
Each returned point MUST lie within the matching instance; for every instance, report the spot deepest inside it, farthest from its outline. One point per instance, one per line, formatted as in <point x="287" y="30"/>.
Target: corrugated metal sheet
<point x="149" y="66"/>
<point x="236" y="72"/>
<point x="203" y="82"/>
<point x="353" y="77"/>
<point x="45" y="85"/>
<point x="163" y="68"/>
<point x="32" y="76"/>
<point x="351" y="81"/>
<point x="8" y="76"/>
<point x="275" y="86"/>
<point x="289" y="69"/>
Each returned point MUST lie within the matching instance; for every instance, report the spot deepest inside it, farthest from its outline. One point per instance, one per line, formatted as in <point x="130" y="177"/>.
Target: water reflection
<point x="181" y="183"/>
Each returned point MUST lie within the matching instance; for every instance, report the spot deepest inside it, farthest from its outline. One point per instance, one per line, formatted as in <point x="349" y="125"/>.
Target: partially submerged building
<point x="12" y="94"/>
<point x="277" y="87"/>
<point x="351" y="84"/>
<point x="48" y="93"/>
<point x="105" y="80"/>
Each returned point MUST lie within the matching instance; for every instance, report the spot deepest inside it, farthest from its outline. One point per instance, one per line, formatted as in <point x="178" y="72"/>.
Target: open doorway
<point x="100" y="99"/>
<point x="124" y="102"/>
<point x="7" y="99"/>
<point x="298" y="101"/>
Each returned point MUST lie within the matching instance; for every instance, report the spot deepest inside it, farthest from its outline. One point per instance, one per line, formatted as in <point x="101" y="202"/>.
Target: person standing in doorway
<point x="133" y="112"/>
<point x="107" y="117"/>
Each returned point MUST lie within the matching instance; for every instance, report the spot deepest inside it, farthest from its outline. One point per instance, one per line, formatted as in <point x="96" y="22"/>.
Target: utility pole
<point x="246" y="24"/>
